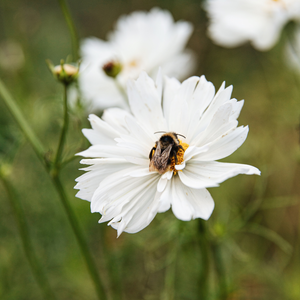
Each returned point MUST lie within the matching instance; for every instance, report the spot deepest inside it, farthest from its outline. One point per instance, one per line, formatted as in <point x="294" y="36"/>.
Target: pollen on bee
<point x="180" y="154"/>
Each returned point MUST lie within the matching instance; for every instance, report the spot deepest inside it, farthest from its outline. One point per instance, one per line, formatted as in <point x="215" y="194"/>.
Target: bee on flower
<point x="163" y="155"/>
<point x="141" y="41"/>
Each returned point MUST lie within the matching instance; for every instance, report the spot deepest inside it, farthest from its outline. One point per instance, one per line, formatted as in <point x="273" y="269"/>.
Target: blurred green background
<point x="255" y="224"/>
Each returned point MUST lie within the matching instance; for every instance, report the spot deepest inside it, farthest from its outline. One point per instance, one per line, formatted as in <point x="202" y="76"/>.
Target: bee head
<point x="168" y="138"/>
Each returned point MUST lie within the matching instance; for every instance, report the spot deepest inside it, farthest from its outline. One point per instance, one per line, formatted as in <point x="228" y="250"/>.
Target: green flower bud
<point x="64" y="73"/>
<point x="112" y="69"/>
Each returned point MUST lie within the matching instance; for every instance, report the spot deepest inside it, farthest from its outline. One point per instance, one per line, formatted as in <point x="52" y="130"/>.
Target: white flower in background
<point x="292" y="51"/>
<point x="119" y="183"/>
<point x="141" y="41"/>
<point x="234" y="22"/>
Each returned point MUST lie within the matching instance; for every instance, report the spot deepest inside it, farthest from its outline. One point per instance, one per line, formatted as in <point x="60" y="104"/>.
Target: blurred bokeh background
<point x="255" y="223"/>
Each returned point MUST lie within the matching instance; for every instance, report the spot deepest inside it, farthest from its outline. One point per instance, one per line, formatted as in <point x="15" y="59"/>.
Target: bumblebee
<point x="164" y="151"/>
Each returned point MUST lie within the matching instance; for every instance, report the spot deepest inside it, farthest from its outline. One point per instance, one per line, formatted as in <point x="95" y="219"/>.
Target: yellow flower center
<point x="133" y="63"/>
<point x="179" y="155"/>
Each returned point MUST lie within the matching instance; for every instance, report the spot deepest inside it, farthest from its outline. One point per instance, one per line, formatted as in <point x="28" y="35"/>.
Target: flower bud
<point x="65" y="73"/>
<point x="112" y="69"/>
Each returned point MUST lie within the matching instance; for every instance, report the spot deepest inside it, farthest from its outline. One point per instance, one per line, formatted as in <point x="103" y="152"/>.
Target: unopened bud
<point x="112" y="69"/>
<point x="65" y="73"/>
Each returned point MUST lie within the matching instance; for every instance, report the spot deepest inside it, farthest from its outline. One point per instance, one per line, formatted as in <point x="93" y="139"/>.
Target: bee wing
<point x="165" y="155"/>
<point x="154" y="158"/>
<point x="159" y="161"/>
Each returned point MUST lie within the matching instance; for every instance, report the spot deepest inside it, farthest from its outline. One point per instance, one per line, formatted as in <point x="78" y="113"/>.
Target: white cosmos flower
<point x="118" y="182"/>
<point x="234" y="22"/>
<point x="141" y="41"/>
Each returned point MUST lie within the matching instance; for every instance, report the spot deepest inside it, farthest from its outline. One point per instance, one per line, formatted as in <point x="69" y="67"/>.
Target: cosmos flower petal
<point x="188" y="203"/>
<point x="199" y="174"/>
<point x="236" y="108"/>
<point x="225" y="145"/>
<point x="195" y="180"/>
<point x="203" y="95"/>
<point x="218" y="126"/>
<point x="159" y="84"/>
<point x="162" y="183"/>
<point x="222" y="96"/>
<point x="138" y="133"/>
<point x="115" y="189"/>
<point x="193" y="151"/>
<point x="165" y="199"/>
<point x="180" y="167"/>
<point x="145" y="103"/>
<point x="141" y="172"/>
<point x="218" y="171"/>
<point x="143" y="216"/>
<point x="106" y="151"/>
<point x="168" y="175"/>
<point x="137" y="160"/>
<point x="184" y="62"/>
<point x="172" y="85"/>
<point x="132" y="207"/>
<point x="179" y="111"/>
<point x="115" y="117"/>
<point x="102" y="132"/>
<point x="98" y="171"/>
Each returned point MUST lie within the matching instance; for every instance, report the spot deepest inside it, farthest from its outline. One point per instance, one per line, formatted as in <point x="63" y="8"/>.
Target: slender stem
<point x="72" y="28"/>
<point x="35" y="265"/>
<point x="121" y="90"/>
<point x="17" y="114"/>
<point x="205" y="259"/>
<point x="220" y="268"/>
<point x="68" y="208"/>
<point x="68" y="160"/>
<point x="169" y="289"/>
<point x="24" y="126"/>
<point x="80" y="238"/>
<point x="64" y="130"/>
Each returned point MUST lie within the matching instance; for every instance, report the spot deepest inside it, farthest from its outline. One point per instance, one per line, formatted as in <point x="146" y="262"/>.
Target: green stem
<point x="36" y="268"/>
<point x="68" y="208"/>
<point x="80" y="238"/>
<point x="220" y="268"/>
<point x="205" y="260"/>
<point x="17" y="114"/>
<point x="64" y="130"/>
<point x="121" y="90"/>
<point x="72" y="28"/>
<point x="169" y="288"/>
<point x="25" y="128"/>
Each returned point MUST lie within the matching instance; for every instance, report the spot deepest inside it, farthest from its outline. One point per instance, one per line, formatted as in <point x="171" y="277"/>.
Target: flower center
<point x="179" y="155"/>
<point x="133" y="63"/>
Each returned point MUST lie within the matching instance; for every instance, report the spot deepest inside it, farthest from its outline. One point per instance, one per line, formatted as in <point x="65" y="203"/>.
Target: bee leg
<point x="174" y="153"/>
<point x="150" y="154"/>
